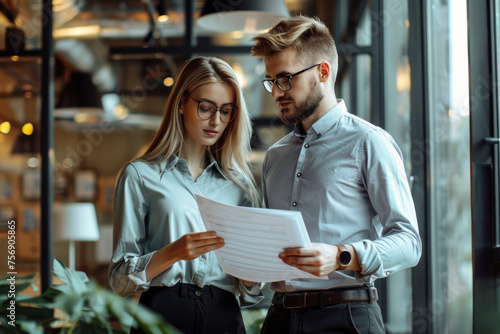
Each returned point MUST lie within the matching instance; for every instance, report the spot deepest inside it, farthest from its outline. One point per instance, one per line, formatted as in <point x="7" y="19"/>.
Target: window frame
<point x="484" y="163"/>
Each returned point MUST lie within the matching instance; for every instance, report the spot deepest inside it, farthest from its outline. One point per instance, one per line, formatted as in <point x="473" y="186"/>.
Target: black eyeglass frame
<point x="217" y="108"/>
<point x="289" y="77"/>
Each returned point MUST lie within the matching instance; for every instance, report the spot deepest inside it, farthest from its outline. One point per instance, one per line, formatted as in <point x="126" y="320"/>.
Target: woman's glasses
<point x="207" y="110"/>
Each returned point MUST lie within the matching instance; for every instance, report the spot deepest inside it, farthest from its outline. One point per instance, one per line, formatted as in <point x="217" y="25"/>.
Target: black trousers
<point x="197" y="310"/>
<point x="349" y="317"/>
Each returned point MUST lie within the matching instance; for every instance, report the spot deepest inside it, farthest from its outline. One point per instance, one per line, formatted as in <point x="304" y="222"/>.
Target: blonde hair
<point x="232" y="149"/>
<point x="309" y="36"/>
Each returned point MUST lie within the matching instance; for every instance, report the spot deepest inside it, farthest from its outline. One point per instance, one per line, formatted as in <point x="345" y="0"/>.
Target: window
<point x="397" y="122"/>
<point x="450" y="308"/>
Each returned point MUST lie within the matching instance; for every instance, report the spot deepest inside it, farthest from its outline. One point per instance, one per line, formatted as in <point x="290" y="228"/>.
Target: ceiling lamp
<point x="244" y="16"/>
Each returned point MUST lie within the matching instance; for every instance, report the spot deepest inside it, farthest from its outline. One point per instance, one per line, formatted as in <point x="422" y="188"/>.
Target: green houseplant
<point x="84" y="307"/>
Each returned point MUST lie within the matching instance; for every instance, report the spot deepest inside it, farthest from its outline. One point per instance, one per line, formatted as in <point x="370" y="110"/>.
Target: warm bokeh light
<point x="238" y="70"/>
<point x="169" y="81"/>
<point x="5" y="127"/>
<point x="75" y="32"/>
<point x="403" y="81"/>
<point x="120" y="111"/>
<point x="237" y="34"/>
<point x="27" y="129"/>
<point x="163" y="18"/>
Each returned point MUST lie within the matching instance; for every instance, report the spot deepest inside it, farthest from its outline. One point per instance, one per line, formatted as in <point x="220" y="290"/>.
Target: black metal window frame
<point x="484" y="76"/>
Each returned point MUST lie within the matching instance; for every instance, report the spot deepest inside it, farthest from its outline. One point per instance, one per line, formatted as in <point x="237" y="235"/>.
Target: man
<point x="345" y="176"/>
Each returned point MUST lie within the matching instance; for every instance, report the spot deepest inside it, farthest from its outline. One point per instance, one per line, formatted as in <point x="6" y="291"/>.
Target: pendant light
<point x="248" y="17"/>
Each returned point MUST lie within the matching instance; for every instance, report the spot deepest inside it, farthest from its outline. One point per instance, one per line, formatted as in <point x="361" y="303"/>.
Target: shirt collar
<point x="169" y="163"/>
<point x="324" y="123"/>
<point x="215" y="164"/>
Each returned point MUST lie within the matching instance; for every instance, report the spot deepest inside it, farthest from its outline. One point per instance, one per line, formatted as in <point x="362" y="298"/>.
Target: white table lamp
<point x="75" y="222"/>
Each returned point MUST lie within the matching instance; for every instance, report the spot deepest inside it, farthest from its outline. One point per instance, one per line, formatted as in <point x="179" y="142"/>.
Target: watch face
<point x="345" y="258"/>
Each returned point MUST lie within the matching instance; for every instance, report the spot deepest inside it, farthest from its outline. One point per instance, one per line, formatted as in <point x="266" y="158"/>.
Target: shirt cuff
<point x="369" y="260"/>
<point x="134" y="278"/>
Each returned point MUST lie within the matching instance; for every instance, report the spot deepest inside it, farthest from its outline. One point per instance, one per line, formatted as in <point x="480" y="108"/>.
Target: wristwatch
<point x="344" y="257"/>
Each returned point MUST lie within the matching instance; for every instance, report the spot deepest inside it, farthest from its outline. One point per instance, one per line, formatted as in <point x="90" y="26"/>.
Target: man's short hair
<point x="309" y="36"/>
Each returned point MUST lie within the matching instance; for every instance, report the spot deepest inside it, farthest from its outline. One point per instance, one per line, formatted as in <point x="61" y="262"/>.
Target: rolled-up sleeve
<point x="127" y="268"/>
<point x="385" y="180"/>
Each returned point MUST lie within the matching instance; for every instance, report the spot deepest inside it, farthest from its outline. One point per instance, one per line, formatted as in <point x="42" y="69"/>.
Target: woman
<point x="161" y="247"/>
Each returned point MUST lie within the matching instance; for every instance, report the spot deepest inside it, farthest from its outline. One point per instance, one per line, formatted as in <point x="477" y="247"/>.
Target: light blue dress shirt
<point x="154" y="206"/>
<point x="346" y="177"/>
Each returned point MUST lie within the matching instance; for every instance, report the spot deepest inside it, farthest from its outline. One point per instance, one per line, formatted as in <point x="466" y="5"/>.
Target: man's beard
<point x="305" y="110"/>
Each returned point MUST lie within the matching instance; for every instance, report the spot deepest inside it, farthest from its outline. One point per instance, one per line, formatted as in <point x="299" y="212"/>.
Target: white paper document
<point x="254" y="237"/>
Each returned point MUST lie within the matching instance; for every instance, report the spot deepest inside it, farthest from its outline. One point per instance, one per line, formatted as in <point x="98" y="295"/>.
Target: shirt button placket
<point x="299" y="174"/>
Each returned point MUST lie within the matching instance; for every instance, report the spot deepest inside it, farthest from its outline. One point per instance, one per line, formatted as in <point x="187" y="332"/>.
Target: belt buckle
<point x="292" y="307"/>
<point x="372" y="293"/>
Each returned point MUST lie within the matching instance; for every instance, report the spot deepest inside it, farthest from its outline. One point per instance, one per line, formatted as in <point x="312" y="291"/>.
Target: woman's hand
<point x="188" y="247"/>
<point x="192" y="245"/>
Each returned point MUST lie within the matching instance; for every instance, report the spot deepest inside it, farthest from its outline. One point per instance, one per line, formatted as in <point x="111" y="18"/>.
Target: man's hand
<point x="319" y="260"/>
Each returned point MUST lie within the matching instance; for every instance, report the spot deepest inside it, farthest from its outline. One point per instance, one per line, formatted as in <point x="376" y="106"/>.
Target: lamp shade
<point x="244" y="16"/>
<point x="75" y="222"/>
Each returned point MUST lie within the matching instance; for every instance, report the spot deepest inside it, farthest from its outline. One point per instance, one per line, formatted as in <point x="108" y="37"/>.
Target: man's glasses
<point x="207" y="110"/>
<point x="285" y="82"/>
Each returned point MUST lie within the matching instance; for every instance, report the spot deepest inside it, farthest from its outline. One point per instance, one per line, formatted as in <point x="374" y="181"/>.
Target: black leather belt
<point x="328" y="297"/>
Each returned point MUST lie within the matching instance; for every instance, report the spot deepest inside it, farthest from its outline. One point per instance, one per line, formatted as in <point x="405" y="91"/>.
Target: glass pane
<point x="364" y="29"/>
<point x="343" y="87"/>
<point x="363" y="86"/>
<point x="19" y="164"/>
<point x="397" y="123"/>
<point x="451" y="252"/>
<point x="354" y="86"/>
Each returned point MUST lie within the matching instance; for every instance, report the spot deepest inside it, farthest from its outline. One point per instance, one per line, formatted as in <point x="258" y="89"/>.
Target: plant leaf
<point x="59" y="271"/>
<point x="46" y="299"/>
<point x="71" y="304"/>
<point x="77" y="281"/>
